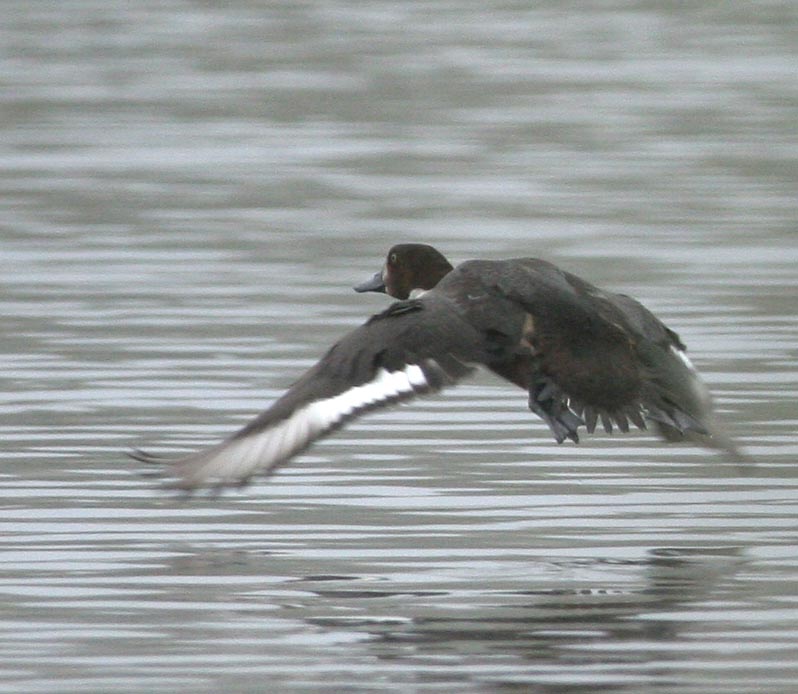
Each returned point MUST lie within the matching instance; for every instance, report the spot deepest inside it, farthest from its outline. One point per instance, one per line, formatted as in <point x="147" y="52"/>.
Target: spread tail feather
<point x="680" y="405"/>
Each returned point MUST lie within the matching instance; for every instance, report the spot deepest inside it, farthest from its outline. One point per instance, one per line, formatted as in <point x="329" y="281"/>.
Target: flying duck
<point x="583" y="355"/>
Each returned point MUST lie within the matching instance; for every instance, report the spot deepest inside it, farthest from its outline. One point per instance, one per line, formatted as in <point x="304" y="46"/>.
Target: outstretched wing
<point x="412" y="348"/>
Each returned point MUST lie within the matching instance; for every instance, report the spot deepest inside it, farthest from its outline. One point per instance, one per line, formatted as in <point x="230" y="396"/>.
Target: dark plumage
<point x="584" y="356"/>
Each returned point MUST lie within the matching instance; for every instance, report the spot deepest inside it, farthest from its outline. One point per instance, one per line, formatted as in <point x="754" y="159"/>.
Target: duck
<point x="583" y="356"/>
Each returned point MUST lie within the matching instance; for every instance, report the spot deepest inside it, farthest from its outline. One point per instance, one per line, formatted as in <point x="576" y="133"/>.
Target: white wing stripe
<point x="684" y="358"/>
<point x="238" y="459"/>
<point x="415" y="376"/>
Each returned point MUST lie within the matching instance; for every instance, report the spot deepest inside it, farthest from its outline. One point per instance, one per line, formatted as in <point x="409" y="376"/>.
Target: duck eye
<point x="392" y="259"/>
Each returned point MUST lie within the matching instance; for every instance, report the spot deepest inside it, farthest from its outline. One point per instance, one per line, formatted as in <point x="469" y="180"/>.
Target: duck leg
<point x="549" y="403"/>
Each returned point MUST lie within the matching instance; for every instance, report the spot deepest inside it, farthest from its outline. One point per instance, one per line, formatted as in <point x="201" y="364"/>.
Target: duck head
<point x="408" y="268"/>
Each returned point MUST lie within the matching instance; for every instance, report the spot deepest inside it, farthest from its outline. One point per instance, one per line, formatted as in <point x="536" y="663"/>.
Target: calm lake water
<point x="188" y="191"/>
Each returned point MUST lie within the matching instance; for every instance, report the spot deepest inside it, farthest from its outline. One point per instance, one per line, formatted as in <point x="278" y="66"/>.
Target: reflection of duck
<point x="567" y="616"/>
<point x="584" y="355"/>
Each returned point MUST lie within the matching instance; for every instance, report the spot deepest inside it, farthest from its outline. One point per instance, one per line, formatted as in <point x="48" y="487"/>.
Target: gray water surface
<point x="188" y="191"/>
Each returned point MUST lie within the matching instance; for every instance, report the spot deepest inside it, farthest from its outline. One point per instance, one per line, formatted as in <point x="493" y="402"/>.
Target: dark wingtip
<point x="144" y="457"/>
<point x="152" y="472"/>
<point x="161" y="474"/>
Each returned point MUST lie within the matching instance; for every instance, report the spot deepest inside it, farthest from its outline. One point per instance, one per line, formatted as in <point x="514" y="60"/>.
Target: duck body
<point x="582" y="355"/>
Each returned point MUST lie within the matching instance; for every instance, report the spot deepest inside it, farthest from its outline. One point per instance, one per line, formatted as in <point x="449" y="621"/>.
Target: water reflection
<point x="583" y="627"/>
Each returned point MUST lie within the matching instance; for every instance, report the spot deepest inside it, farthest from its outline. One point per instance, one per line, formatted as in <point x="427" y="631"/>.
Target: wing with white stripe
<point x="406" y="351"/>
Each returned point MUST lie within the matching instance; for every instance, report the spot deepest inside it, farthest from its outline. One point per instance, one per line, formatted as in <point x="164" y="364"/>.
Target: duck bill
<point x="374" y="284"/>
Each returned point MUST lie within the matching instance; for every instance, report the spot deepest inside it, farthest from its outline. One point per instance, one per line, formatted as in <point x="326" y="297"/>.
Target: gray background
<point x="189" y="190"/>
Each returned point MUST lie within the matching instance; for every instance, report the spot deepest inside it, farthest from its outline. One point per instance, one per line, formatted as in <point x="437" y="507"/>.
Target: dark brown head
<point x="409" y="267"/>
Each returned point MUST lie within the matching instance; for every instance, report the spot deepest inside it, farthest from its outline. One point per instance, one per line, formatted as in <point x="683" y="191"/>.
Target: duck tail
<point x="681" y="406"/>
